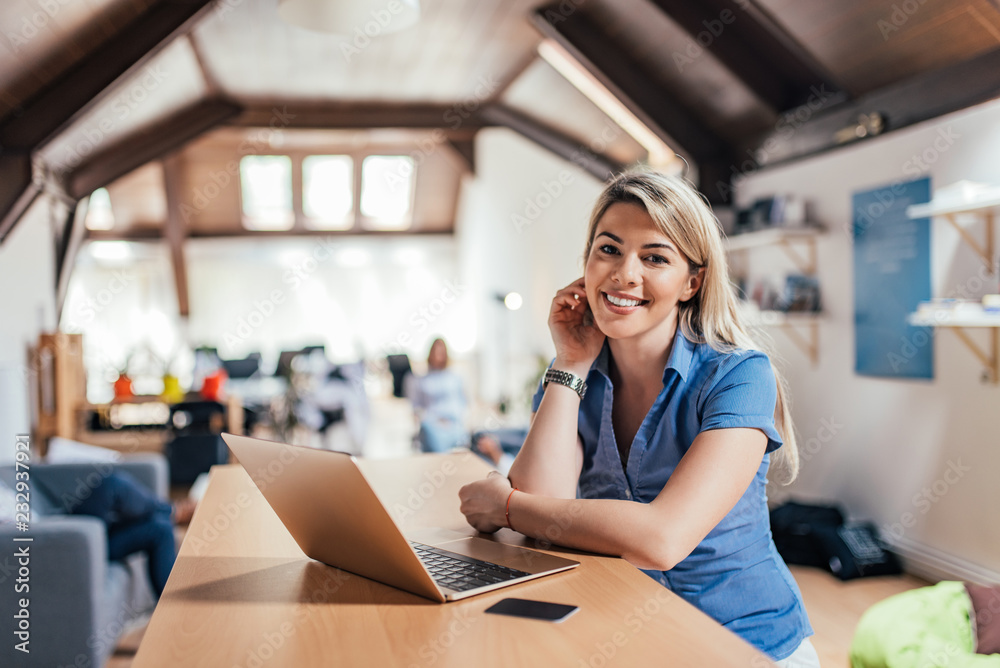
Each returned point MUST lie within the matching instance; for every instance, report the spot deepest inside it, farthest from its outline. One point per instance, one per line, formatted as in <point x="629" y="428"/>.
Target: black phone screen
<point x="521" y="607"/>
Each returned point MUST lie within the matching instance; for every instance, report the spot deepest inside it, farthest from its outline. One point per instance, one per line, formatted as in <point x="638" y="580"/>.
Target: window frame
<point x="360" y="223"/>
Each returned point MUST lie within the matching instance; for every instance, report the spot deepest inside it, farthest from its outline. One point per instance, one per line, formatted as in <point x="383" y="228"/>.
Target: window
<point x="99" y="213"/>
<point x="266" y="184"/>
<point x="328" y="192"/>
<point x="387" y="192"/>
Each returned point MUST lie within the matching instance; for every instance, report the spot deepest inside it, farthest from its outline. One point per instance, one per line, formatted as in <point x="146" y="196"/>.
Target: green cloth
<point x="927" y="627"/>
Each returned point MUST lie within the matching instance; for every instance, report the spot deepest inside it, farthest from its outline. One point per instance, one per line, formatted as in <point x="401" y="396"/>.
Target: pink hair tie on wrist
<point x="507" y="513"/>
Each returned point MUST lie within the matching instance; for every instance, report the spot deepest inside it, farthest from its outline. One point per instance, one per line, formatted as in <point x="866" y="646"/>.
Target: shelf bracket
<point x="807" y="343"/>
<point x="990" y="360"/>
<point x="806" y="263"/>
<point x="985" y="252"/>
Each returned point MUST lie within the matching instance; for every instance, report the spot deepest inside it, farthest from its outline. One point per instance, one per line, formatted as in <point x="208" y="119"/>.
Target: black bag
<point x="813" y="535"/>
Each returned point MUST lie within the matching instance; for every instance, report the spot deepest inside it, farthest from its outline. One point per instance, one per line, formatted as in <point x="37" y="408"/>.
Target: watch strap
<point x="570" y="380"/>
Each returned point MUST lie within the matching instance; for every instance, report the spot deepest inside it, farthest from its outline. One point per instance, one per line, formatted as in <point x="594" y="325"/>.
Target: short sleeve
<point x="743" y="394"/>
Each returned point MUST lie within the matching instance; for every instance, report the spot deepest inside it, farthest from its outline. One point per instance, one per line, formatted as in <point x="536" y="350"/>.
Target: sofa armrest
<point x="63" y="580"/>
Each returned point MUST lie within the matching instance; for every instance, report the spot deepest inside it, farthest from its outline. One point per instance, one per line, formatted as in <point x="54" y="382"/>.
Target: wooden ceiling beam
<point x="752" y="46"/>
<point x="17" y="189"/>
<point x="148" y="144"/>
<point x="75" y="90"/>
<point x="547" y="137"/>
<point x="73" y="233"/>
<point x="175" y="231"/>
<point x="626" y="79"/>
<point x="920" y="98"/>
<point x="466" y="150"/>
<point x="459" y="119"/>
<point x="81" y="85"/>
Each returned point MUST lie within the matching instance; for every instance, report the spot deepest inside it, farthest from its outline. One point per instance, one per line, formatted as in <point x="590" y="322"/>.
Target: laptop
<point x="334" y="515"/>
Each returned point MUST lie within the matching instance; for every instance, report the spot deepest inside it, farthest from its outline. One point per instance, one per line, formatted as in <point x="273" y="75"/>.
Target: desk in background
<point x="243" y="594"/>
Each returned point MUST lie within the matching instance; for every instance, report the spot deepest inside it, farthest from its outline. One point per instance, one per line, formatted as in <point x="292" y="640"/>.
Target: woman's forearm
<point x="550" y="460"/>
<point x="633" y="531"/>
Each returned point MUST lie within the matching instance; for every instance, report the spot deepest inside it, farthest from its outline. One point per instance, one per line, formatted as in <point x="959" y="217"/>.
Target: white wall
<point x="892" y="443"/>
<point x="521" y="227"/>
<point x="27" y="278"/>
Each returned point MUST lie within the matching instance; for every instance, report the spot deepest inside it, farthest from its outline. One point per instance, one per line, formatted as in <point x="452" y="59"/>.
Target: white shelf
<point x="802" y="327"/>
<point x="738" y="242"/>
<point x="949" y="208"/>
<point x="779" y="318"/>
<point x="951" y="318"/>
<point x="957" y="319"/>
<point x="932" y="208"/>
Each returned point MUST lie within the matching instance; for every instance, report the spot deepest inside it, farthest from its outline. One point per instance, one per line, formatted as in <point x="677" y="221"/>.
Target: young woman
<point x="655" y="424"/>
<point x="439" y="402"/>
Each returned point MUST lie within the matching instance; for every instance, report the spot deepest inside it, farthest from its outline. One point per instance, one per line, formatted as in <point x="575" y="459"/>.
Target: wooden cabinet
<point x="61" y="385"/>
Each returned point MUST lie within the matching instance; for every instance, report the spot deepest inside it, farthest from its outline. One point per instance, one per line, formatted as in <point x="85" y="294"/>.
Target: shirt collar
<point x="681" y="357"/>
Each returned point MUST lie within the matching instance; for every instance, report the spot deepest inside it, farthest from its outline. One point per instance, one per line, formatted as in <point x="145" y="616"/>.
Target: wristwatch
<point x="570" y="380"/>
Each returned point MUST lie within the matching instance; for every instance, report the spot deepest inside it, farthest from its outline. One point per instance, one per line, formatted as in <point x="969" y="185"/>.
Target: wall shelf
<point x="982" y="209"/>
<point x="802" y="328"/>
<point x="979" y="202"/>
<point x="958" y="320"/>
<point x="799" y="244"/>
<point x="785" y="238"/>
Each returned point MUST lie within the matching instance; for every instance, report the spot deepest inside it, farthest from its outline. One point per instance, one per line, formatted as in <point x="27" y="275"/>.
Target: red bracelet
<point x="507" y="513"/>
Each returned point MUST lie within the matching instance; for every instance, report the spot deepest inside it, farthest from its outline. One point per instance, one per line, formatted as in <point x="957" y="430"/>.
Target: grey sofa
<point x="79" y="602"/>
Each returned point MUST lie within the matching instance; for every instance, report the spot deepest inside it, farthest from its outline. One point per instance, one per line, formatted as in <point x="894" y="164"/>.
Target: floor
<point x="834" y="607"/>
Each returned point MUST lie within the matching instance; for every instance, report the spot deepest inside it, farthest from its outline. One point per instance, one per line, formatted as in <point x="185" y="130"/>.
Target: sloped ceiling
<point x="91" y="90"/>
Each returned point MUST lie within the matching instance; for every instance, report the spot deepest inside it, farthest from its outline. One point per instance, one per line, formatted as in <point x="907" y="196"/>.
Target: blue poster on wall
<point x="892" y="275"/>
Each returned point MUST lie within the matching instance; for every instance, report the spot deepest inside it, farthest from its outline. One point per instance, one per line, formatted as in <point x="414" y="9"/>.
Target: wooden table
<point x="243" y="594"/>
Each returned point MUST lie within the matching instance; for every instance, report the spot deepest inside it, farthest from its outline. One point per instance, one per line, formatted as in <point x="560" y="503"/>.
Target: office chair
<point x="196" y="445"/>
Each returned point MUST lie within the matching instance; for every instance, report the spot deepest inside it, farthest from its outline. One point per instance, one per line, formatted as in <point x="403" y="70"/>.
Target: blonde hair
<point x="711" y="316"/>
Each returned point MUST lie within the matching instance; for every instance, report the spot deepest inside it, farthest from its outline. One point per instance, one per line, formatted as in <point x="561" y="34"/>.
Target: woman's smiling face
<point x="635" y="275"/>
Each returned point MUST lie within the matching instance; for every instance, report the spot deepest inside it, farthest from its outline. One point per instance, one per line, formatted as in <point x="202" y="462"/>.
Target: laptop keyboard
<point x="461" y="573"/>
